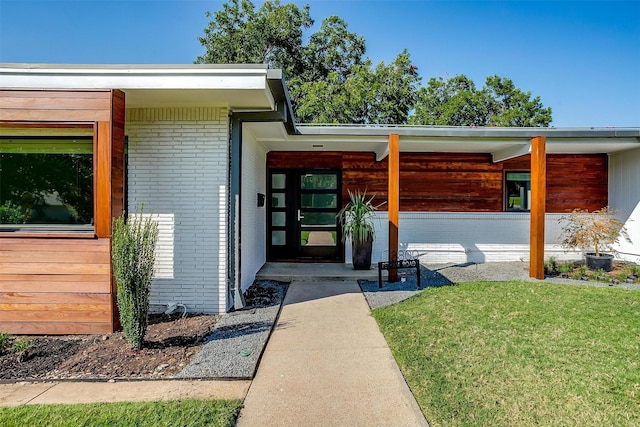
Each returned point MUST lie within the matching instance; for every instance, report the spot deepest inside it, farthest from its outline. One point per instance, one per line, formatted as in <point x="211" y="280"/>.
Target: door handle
<point x="300" y="216"/>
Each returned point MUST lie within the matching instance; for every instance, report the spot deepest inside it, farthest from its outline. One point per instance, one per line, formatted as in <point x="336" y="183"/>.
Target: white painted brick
<point x="178" y="167"/>
<point x="458" y="237"/>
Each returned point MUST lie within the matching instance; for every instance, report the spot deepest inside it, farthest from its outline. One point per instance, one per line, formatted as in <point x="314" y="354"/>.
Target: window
<point x="518" y="189"/>
<point x="46" y="180"/>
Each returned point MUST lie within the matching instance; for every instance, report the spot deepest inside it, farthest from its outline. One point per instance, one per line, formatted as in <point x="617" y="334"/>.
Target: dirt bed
<point x="171" y="342"/>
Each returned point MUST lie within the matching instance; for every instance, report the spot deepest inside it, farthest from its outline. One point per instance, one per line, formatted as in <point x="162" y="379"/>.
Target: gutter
<point x="282" y="113"/>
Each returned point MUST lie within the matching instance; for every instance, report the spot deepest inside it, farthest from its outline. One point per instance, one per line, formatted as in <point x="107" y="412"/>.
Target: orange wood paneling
<point x="102" y="197"/>
<point x="54" y="115"/>
<point x="460" y="182"/>
<point x="538" y="206"/>
<point x="40" y="281"/>
<point x="59" y="283"/>
<point x="54" y="328"/>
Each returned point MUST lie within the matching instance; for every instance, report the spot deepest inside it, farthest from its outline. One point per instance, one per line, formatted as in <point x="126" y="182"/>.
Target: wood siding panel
<point x="55" y="105"/>
<point x="41" y="282"/>
<point x="460" y="182"/>
<point x="55" y="328"/>
<point x="50" y="284"/>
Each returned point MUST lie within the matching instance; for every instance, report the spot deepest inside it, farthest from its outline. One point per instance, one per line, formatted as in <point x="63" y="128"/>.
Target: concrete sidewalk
<point x="328" y="364"/>
<point x="70" y="392"/>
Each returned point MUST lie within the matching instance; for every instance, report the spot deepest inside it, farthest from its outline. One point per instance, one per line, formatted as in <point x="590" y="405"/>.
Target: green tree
<point x="457" y="102"/>
<point x="329" y="80"/>
<point x="381" y="94"/>
<point x="240" y="34"/>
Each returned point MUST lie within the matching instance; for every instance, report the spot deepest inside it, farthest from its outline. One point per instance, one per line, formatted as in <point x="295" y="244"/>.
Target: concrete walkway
<point x="71" y="392"/>
<point x="328" y="364"/>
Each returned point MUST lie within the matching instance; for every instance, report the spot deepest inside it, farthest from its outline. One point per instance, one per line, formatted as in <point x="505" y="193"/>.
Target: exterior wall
<point x="459" y="182"/>
<point x="447" y="237"/>
<point x="253" y="218"/>
<point x="177" y="167"/>
<point x="61" y="282"/>
<point x="624" y="191"/>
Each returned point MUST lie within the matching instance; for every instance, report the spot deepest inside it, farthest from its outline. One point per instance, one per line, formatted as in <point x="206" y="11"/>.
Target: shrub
<point x="11" y="214"/>
<point x="133" y="255"/>
<point x="599" y="230"/>
<point x="5" y="339"/>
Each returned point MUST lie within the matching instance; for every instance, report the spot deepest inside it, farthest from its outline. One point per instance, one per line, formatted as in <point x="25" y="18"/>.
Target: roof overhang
<point x="502" y="143"/>
<point x="238" y="87"/>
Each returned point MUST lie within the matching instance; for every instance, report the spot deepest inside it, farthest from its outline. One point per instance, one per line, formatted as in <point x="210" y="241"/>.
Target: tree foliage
<point x="457" y="102"/>
<point x="331" y="81"/>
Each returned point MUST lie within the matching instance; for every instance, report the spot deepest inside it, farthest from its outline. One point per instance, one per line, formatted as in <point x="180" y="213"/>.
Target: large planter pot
<point x="604" y="261"/>
<point x="361" y="254"/>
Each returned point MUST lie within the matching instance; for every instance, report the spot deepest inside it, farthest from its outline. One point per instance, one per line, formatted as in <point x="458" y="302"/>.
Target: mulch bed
<point x="171" y="342"/>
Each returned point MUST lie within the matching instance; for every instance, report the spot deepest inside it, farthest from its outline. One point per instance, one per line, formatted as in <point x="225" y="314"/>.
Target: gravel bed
<point x="436" y="275"/>
<point x="238" y="340"/>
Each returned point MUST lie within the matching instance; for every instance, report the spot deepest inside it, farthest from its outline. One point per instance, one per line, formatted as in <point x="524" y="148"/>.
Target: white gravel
<point x="237" y="342"/>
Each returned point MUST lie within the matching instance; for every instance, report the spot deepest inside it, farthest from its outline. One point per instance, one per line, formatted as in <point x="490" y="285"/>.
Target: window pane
<point x="46" y="181"/>
<point x="278" y="238"/>
<point x="278" y="180"/>
<point x="319" y="200"/>
<point x="319" y="181"/>
<point x="278" y="200"/>
<point x="518" y="188"/>
<point x="278" y="219"/>
<point x="318" y="238"/>
<point x="319" y="218"/>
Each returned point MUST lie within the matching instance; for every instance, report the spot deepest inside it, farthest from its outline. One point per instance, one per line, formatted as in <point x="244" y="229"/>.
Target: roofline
<point x="97" y="68"/>
<point x="467" y="131"/>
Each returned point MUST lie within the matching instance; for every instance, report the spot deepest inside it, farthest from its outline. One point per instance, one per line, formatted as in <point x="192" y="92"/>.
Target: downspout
<point x="282" y="113"/>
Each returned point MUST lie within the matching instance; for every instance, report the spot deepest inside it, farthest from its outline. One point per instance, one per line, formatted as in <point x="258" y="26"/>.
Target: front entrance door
<point x="302" y="223"/>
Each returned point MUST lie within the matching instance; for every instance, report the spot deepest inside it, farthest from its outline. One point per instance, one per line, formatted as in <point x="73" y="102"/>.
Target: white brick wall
<point x="624" y="195"/>
<point x="253" y="218"/>
<point x="445" y="237"/>
<point x="178" y="168"/>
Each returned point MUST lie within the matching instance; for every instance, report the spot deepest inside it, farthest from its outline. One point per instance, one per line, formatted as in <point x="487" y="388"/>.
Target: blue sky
<point x="581" y="57"/>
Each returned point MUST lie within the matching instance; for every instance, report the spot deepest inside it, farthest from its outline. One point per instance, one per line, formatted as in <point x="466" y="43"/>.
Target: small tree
<point x="599" y="230"/>
<point x="133" y="255"/>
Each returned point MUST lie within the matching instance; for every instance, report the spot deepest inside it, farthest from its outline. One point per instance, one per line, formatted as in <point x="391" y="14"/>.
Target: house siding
<point x="177" y="167"/>
<point x="253" y="218"/>
<point x="624" y="191"/>
<point x="459" y="182"/>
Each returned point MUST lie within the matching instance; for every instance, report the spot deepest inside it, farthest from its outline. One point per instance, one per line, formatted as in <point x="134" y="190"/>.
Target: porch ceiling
<point x="503" y="143"/>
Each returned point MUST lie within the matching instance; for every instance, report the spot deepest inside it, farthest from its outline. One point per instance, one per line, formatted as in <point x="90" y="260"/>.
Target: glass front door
<point x="302" y="215"/>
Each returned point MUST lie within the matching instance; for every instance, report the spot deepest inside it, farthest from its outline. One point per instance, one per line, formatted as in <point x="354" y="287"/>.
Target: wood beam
<point x="102" y="180"/>
<point x="394" y="200"/>
<point x="538" y="207"/>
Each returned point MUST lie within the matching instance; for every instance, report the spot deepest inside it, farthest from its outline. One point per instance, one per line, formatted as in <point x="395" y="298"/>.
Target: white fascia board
<point x="134" y="77"/>
<point x="511" y="152"/>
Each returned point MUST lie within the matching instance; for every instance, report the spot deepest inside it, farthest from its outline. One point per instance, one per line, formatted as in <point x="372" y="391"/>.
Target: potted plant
<point x="598" y="230"/>
<point x="356" y="219"/>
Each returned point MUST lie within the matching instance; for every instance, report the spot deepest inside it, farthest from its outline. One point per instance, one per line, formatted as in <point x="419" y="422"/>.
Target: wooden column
<point x="394" y="200"/>
<point x="538" y="207"/>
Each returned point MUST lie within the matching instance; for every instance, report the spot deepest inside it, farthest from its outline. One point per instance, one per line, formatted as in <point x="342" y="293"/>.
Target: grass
<point x="167" y="413"/>
<point x="519" y="353"/>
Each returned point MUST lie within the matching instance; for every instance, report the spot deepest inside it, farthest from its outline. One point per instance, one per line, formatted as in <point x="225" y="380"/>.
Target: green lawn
<point x="170" y="413"/>
<point x="520" y="353"/>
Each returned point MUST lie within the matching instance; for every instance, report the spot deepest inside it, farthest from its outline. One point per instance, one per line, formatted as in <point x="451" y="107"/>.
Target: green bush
<point x="133" y="254"/>
<point x="11" y="214"/>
